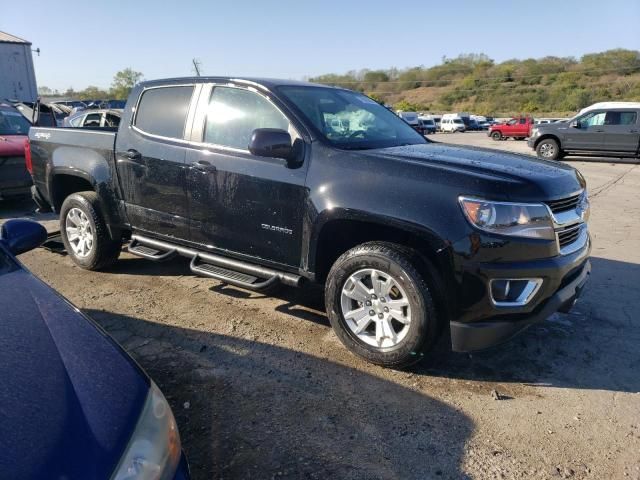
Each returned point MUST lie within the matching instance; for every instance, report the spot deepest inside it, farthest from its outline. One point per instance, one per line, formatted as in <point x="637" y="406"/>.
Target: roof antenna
<point x="196" y="66"/>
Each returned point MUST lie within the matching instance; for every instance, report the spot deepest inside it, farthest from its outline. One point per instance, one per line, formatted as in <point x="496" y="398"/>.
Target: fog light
<point x="513" y="292"/>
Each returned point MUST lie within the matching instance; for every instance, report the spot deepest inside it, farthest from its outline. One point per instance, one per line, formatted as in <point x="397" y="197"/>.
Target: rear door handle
<point x="203" y="166"/>
<point x="633" y="131"/>
<point x="599" y="131"/>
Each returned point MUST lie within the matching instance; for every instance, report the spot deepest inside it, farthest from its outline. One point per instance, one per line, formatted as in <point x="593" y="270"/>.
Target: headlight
<point x="530" y="220"/>
<point x="154" y="448"/>
<point x="535" y="132"/>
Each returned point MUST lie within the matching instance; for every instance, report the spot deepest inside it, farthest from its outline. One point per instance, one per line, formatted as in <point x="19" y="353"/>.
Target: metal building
<point x="17" y="76"/>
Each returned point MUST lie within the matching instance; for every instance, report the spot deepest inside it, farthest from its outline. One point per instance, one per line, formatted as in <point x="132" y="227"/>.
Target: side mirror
<point x="575" y="124"/>
<point x="20" y="236"/>
<point x="271" y="142"/>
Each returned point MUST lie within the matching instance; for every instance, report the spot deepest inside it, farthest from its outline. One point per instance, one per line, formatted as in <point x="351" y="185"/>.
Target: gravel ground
<point x="261" y="387"/>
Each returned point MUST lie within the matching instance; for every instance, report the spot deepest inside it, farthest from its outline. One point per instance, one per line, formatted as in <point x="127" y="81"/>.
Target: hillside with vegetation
<point x="549" y="86"/>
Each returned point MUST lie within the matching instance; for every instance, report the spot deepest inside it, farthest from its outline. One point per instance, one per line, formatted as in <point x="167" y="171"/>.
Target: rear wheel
<point x="380" y="306"/>
<point x="549" y="149"/>
<point x="84" y="232"/>
<point x="496" y="136"/>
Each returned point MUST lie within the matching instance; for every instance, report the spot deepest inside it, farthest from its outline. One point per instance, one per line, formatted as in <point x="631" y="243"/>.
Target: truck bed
<point x="60" y="149"/>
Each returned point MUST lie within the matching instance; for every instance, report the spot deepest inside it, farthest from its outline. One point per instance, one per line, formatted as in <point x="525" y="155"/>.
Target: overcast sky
<point x="85" y="42"/>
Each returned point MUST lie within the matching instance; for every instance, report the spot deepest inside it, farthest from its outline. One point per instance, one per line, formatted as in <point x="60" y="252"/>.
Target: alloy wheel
<point x="79" y="232"/>
<point x="376" y="308"/>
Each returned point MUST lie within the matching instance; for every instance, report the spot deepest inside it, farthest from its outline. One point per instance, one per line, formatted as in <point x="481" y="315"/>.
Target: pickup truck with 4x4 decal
<point x="265" y="182"/>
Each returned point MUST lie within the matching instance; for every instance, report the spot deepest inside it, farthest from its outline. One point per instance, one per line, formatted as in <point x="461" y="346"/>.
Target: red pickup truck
<point x="518" y="128"/>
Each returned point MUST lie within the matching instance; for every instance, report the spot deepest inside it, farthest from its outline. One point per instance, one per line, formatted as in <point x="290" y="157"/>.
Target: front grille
<point x="568" y="235"/>
<point x="569" y="203"/>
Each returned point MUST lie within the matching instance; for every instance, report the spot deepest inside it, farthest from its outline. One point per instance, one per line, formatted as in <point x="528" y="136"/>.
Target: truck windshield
<point x="350" y="120"/>
<point x="13" y="123"/>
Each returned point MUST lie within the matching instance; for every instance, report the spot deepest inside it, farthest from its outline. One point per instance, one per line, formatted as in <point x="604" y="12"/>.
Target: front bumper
<point x="466" y="337"/>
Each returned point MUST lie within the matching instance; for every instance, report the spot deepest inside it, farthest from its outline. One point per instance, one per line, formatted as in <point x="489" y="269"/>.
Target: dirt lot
<point x="262" y="388"/>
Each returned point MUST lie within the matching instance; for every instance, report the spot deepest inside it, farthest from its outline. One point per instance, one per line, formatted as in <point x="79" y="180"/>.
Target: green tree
<point x="92" y="93"/>
<point x="406" y="106"/>
<point x="123" y="82"/>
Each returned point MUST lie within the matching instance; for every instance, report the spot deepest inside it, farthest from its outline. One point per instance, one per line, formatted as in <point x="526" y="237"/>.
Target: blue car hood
<point x="69" y="396"/>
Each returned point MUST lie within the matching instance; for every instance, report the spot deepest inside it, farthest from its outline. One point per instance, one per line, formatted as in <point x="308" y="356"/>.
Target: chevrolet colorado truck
<point x="264" y="182"/>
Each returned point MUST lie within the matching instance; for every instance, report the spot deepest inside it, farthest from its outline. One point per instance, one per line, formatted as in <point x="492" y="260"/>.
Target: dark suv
<point x="263" y="182"/>
<point x="605" y="129"/>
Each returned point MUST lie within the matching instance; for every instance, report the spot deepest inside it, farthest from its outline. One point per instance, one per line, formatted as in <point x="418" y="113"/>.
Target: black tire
<point x="496" y="136"/>
<point x="402" y="264"/>
<point x="104" y="251"/>
<point x="548" y="149"/>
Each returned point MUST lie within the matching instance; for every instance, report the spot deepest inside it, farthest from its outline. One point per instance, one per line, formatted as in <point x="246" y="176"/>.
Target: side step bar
<point x="228" y="270"/>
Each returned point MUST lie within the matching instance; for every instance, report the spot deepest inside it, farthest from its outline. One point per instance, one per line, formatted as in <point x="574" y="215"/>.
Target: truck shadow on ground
<point x="593" y="347"/>
<point x="252" y="410"/>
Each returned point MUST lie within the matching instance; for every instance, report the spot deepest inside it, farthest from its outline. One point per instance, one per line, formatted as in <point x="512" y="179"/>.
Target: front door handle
<point x="633" y="131"/>
<point x="599" y="131"/>
<point x="203" y="166"/>
<point x="132" y="154"/>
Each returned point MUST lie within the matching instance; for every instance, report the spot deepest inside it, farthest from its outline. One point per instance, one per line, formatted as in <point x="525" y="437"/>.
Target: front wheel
<point x="84" y="232"/>
<point x="496" y="136"/>
<point x="549" y="149"/>
<point x="380" y="306"/>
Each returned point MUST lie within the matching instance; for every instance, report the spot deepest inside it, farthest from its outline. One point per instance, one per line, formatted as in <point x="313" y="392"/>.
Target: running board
<point x="150" y="253"/>
<point x="232" y="277"/>
<point x="225" y="269"/>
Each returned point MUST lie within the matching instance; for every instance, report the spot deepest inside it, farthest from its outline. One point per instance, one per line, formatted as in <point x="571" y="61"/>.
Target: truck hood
<point x="516" y="177"/>
<point x="69" y="396"/>
<point x="12" y="145"/>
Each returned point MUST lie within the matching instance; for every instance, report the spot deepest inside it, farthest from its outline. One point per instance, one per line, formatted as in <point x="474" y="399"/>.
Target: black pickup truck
<point x="265" y="182"/>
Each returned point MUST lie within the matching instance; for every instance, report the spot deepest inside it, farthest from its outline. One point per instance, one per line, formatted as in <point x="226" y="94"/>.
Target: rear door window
<point x="163" y="111"/>
<point x="620" y="118"/>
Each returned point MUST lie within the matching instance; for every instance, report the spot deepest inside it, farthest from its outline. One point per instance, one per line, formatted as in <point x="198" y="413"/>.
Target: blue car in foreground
<point x="73" y="404"/>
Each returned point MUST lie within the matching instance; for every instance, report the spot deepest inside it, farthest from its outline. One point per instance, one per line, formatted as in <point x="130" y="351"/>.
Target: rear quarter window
<point x="163" y="111"/>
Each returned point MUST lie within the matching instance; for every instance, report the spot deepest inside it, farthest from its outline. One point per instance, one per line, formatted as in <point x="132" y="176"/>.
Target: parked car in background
<point x="428" y="125"/>
<point x="452" y="123"/>
<point x="598" y="130"/>
<point x="437" y="119"/>
<point x="465" y="241"/>
<point x="74" y="404"/>
<point x="43" y="114"/>
<point x="71" y="103"/>
<point x="14" y="128"/>
<point x="518" y="128"/>
<point x="114" y="104"/>
<point x="94" y="118"/>
<point x="411" y="118"/>
<point x="472" y="125"/>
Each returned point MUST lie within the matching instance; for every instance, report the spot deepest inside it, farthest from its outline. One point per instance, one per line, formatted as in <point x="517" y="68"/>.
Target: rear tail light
<point x="27" y="156"/>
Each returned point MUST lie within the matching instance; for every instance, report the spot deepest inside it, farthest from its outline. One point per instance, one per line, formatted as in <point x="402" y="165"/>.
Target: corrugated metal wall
<point x="17" y="76"/>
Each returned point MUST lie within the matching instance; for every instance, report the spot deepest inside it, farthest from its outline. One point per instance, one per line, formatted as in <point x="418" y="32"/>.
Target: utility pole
<point x="196" y="66"/>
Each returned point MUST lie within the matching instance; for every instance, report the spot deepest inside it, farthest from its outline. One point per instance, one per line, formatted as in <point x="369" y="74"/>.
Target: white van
<point x="451" y="123"/>
<point x="410" y="117"/>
